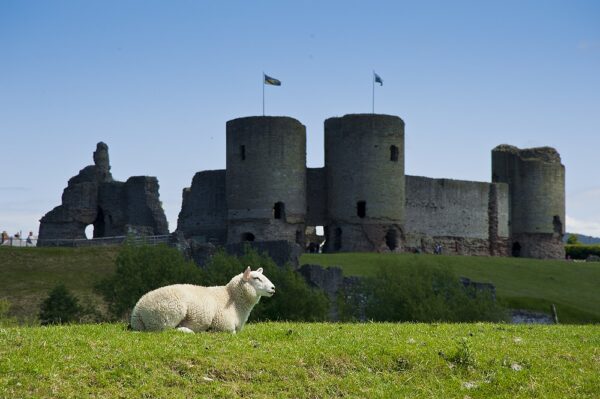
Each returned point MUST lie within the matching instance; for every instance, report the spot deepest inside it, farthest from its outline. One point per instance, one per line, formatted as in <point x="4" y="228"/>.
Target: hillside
<point x="583" y="239"/>
<point x="29" y="273"/>
<point x="301" y="360"/>
<point x="520" y="283"/>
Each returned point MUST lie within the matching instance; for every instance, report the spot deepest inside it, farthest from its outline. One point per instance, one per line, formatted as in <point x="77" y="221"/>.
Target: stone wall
<point x="203" y="213"/>
<point x="464" y="217"/>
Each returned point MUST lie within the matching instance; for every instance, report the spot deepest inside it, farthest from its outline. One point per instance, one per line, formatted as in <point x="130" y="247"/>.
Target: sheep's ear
<point x="259" y="270"/>
<point x="246" y="275"/>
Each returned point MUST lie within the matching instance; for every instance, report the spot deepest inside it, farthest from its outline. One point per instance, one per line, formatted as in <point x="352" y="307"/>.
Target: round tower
<point x="364" y="163"/>
<point x="266" y="179"/>
<point x="536" y="181"/>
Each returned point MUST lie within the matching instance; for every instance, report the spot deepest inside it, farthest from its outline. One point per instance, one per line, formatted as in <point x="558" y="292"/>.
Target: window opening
<point x="361" y="209"/>
<point x="243" y="152"/>
<point x="279" y="210"/>
<point x="394" y="153"/>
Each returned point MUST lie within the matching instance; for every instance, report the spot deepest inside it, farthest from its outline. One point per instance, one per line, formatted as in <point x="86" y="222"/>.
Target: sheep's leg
<point x="185" y="330"/>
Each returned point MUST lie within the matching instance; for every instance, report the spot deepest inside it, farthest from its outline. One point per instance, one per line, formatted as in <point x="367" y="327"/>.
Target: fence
<point x="19" y="242"/>
<point x="92" y="242"/>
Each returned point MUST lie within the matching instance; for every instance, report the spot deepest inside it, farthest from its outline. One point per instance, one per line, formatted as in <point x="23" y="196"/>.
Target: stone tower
<point x="266" y="179"/>
<point x="536" y="180"/>
<point x="364" y="164"/>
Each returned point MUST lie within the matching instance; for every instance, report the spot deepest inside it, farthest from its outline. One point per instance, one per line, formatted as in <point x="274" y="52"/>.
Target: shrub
<point x="422" y="293"/>
<point x="294" y="300"/>
<point x="581" y="251"/>
<point x="61" y="306"/>
<point x="141" y="269"/>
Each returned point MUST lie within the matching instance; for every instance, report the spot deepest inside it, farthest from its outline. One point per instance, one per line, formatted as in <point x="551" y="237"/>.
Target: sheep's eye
<point x="257" y="278"/>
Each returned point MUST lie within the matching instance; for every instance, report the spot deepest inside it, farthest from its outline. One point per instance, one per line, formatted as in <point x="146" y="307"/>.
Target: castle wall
<point x="464" y="217"/>
<point x="203" y="213"/>
<point x="266" y="179"/>
<point x="536" y="179"/>
<point x="316" y="197"/>
<point x="364" y="162"/>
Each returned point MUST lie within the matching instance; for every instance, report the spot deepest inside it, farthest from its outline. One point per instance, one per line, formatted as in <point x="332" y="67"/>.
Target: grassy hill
<point x="296" y="360"/>
<point x="520" y="283"/>
<point x="27" y="274"/>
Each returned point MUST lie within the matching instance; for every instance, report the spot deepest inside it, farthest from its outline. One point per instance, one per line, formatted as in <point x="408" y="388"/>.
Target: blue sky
<point x="157" y="81"/>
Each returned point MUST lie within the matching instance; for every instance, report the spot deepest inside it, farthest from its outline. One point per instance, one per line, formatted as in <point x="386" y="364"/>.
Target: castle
<point x="362" y="196"/>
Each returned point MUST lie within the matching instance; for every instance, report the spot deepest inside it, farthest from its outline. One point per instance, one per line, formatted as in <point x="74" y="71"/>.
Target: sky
<point x="158" y="80"/>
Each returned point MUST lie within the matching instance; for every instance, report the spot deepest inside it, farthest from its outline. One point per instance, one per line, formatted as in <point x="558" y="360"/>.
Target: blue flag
<point x="378" y="79"/>
<point x="272" y="81"/>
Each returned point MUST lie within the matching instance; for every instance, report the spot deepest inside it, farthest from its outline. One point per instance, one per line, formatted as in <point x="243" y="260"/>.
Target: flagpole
<point x="263" y="87"/>
<point x="373" y="82"/>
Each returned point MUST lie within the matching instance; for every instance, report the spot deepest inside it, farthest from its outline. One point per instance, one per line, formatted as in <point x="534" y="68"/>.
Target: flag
<point x="378" y="79"/>
<point x="272" y="81"/>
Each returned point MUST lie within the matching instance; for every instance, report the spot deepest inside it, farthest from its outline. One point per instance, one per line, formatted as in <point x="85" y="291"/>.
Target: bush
<point x="141" y="269"/>
<point x="294" y="300"/>
<point x="422" y="293"/>
<point x="61" y="306"/>
<point x="579" y="251"/>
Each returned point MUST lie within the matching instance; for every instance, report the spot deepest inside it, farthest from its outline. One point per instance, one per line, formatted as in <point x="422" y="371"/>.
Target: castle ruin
<point x="114" y="208"/>
<point x="363" y="198"/>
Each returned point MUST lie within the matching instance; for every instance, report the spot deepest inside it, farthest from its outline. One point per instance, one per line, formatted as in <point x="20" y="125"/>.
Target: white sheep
<point x="193" y="308"/>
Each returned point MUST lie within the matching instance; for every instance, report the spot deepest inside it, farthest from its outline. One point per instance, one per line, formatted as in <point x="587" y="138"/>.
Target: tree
<point x="573" y="239"/>
<point x="61" y="306"/>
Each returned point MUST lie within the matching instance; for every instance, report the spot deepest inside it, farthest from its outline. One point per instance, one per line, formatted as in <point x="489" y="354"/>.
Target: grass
<point x="28" y="274"/>
<point x="299" y="360"/>
<point x="520" y="283"/>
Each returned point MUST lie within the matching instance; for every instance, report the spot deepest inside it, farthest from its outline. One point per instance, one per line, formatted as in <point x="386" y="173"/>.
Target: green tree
<point x="573" y="239"/>
<point x="141" y="269"/>
<point x="61" y="306"/>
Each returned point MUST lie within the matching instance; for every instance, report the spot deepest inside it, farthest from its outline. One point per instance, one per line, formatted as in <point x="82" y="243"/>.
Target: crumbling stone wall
<point x="203" y="213"/>
<point x="464" y="217"/>
<point x="114" y="208"/>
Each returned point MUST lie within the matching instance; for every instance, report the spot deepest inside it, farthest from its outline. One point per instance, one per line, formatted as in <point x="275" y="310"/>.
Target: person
<point x="4" y="237"/>
<point x="29" y="239"/>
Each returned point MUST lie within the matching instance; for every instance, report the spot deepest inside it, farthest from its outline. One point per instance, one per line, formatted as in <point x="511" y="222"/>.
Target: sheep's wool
<point x="197" y="308"/>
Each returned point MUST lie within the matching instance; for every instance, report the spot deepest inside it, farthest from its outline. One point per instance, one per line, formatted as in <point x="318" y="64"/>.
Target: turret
<point x="266" y="179"/>
<point x="364" y="163"/>
<point x="536" y="179"/>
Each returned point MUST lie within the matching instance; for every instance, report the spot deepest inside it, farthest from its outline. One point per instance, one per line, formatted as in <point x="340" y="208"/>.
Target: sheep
<point x="193" y="308"/>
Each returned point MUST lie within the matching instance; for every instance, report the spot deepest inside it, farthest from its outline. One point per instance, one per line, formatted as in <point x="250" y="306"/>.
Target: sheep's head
<point x="256" y="278"/>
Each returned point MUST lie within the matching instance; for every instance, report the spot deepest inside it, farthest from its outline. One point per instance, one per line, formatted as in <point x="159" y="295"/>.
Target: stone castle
<point x="361" y="197"/>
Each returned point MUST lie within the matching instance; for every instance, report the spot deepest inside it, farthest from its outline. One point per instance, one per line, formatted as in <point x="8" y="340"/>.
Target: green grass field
<point x="574" y="287"/>
<point x="298" y="360"/>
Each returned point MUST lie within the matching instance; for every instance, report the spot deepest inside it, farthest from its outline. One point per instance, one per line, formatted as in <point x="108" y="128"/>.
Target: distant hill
<point x="583" y="239"/>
